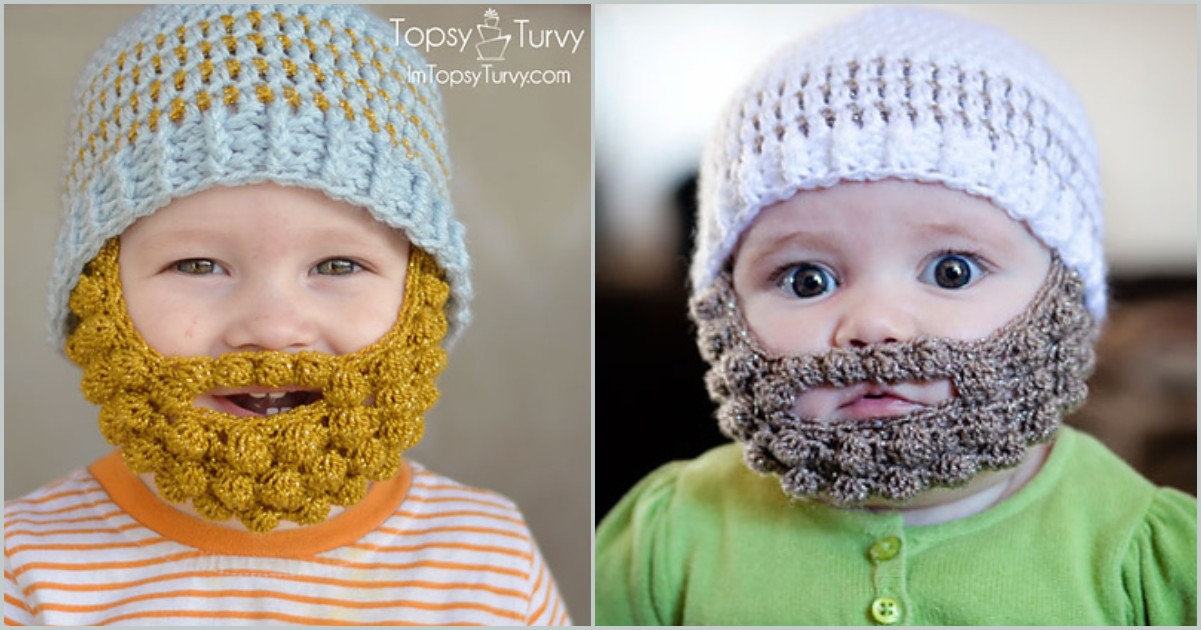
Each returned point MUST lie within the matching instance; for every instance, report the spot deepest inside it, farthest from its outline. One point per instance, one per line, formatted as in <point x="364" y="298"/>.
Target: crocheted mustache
<point x="293" y="465"/>
<point x="1011" y="390"/>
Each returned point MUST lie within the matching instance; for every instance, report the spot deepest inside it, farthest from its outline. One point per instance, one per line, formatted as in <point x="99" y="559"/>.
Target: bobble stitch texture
<point x="1011" y="389"/>
<point x="293" y="465"/>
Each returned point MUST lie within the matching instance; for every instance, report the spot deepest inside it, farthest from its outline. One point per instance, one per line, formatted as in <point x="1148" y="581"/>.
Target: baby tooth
<point x="271" y="411"/>
<point x="276" y="395"/>
<point x="283" y="409"/>
<point x="253" y="395"/>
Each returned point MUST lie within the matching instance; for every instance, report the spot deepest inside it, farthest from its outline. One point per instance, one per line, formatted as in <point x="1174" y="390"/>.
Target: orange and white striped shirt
<point x="99" y="548"/>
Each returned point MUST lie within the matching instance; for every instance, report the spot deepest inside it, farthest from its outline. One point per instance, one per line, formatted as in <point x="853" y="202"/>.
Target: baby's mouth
<point x="868" y="402"/>
<point x="266" y="403"/>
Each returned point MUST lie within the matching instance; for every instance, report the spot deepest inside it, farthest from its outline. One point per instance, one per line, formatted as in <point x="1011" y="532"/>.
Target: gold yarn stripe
<point x="230" y="94"/>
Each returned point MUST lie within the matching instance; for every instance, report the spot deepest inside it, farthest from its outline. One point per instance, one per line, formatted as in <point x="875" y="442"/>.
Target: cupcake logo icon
<point x="492" y="44"/>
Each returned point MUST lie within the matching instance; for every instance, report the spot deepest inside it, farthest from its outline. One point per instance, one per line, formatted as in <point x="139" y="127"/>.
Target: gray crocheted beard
<point x="1011" y="390"/>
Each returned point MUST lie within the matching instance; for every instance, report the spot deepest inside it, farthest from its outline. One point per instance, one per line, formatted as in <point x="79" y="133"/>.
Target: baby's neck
<point x="983" y="492"/>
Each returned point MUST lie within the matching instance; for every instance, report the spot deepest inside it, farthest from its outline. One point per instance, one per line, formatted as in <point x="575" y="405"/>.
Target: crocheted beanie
<point x="911" y="94"/>
<point x="184" y="98"/>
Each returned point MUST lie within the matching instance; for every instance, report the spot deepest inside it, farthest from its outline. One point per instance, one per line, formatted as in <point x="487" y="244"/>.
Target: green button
<point x="886" y="611"/>
<point x="886" y="548"/>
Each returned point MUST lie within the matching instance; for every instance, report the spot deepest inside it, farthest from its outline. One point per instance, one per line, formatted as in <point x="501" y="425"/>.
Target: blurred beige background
<point x="514" y="413"/>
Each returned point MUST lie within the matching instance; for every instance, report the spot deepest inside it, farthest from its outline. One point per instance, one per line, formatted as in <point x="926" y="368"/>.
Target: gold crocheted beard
<point x="1011" y="390"/>
<point x="293" y="465"/>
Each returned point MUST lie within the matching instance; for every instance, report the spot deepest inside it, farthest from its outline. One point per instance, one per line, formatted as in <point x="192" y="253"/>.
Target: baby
<point x="897" y="283"/>
<point x="258" y="272"/>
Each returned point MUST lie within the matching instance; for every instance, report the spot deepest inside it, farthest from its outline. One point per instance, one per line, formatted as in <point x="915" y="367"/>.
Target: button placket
<point x="887" y="555"/>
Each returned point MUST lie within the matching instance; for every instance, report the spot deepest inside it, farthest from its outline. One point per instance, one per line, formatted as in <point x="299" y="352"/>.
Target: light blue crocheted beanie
<point x="184" y="98"/>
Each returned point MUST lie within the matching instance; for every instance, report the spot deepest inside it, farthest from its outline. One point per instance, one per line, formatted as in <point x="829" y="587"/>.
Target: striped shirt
<point x="99" y="548"/>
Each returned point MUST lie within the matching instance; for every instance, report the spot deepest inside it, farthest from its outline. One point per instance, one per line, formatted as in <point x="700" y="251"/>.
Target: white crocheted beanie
<point x="185" y="98"/>
<point x="912" y="94"/>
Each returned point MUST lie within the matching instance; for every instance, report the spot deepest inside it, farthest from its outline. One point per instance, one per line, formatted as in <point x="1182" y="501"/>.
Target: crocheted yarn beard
<point x="293" y="465"/>
<point x="1011" y="389"/>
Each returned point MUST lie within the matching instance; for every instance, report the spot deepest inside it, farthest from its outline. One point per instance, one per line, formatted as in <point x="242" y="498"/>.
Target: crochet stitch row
<point x="176" y="68"/>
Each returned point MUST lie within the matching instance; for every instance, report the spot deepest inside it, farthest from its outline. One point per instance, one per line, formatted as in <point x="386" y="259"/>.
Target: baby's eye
<point x="808" y="280"/>
<point x="337" y="267"/>
<point x="952" y="271"/>
<point x="198" y="267"/>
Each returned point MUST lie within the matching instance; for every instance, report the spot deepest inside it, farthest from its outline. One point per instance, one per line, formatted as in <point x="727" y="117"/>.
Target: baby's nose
<point x="271" y="318"/>
<point x="871" y="319"/>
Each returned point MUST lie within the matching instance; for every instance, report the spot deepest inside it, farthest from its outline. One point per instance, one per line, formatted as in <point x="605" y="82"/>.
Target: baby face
<point x="881" y="262"/>
<point x="261" y="267"/>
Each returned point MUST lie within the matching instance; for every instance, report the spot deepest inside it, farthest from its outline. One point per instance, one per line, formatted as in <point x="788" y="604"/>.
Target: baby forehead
<point x="264" y="209"/>
<point x="870" y="213"/>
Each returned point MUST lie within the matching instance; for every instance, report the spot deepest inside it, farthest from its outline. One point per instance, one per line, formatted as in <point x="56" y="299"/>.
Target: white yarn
<point x="913" y="94"/>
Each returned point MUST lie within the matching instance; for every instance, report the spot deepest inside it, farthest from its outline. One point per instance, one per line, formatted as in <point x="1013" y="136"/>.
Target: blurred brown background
<point x="1143" y="397"/>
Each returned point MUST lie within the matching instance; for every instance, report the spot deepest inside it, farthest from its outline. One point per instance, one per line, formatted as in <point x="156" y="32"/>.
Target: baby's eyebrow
<point x="171" y="240"/>
<point x="202" y="235"/>
<point x="951" y="228"/>
<point x="807" y="240"/>
<point x="810" y="236"/>
<point x="980" y="233"/>
<point x="194" y="230"/>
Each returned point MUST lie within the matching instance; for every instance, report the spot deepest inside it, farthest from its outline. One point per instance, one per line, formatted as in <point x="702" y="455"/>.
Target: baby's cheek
<point x="171" y="330"/>
<point x="360" y="328"/>
<point x="783" y="331"/>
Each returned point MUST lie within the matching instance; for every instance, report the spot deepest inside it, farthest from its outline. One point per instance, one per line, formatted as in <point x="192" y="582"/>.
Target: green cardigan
<point x="1087" y="541"/>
